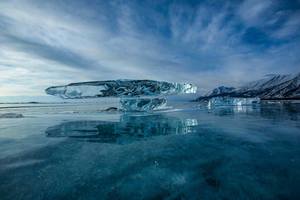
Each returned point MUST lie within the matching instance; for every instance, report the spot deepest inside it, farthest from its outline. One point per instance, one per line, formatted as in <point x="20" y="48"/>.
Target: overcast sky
<point x="209" y="43"/>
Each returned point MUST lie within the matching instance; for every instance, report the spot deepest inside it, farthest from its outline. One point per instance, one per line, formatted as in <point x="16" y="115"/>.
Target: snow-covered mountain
<point x="270" y="87"/>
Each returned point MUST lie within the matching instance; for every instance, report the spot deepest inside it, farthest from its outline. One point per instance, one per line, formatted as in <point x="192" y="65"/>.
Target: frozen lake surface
<point x="78" y="151"/>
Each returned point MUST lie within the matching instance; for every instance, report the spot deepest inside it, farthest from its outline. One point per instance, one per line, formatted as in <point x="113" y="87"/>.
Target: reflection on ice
<point x="128" y="129"/>
<point x="244" y="109"/>
<point x="271" y="111"/>
<point x="281" y="111"/>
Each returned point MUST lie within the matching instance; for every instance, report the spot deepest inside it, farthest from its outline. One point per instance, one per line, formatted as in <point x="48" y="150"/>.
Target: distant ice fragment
<point x="231" y="101"/>
<point x="11" y="115"/>
<point x="143" y="104"/>
<point x="119" y="88"/>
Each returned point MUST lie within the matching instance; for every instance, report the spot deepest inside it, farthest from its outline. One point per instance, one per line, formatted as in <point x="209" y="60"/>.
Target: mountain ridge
<point x="272" y="87"/>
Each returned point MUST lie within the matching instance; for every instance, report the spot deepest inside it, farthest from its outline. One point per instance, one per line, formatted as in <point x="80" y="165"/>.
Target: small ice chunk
<point x="143" y="104"/>
<point x="11" y="115"/>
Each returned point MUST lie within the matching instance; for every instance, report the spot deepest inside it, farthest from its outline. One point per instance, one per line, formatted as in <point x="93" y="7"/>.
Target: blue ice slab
<point x="120" y="88"/>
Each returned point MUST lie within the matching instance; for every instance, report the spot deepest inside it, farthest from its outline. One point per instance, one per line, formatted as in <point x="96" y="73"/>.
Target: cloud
<point x="289" y="28"/>
<point x="255" y="12"/>
<point x="208" y="43"/>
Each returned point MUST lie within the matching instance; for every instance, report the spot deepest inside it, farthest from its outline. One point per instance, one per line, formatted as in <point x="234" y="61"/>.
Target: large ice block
<point x="231" y="101"/>
<point x="119" y="88"/>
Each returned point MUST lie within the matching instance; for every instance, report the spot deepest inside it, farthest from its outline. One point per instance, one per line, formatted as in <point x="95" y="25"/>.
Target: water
<point x="77" y="151"/>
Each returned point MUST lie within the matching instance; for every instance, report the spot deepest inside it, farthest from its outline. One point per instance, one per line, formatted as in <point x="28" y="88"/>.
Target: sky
<point x="208" y="42"/>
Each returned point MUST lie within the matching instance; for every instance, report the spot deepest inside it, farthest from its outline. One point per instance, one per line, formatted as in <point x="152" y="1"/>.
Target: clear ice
<point x="142" y="104"/>
<point x="119" y="88"/>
